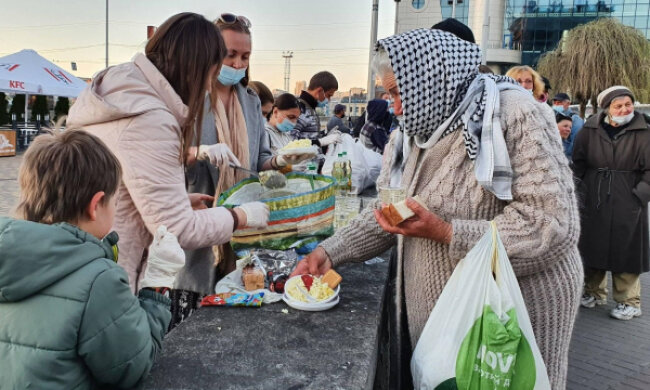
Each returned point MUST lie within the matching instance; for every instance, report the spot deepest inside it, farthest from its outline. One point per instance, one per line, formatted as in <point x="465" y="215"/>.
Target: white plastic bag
<point x="366" y="164"/>
<point x="478" y="335"/>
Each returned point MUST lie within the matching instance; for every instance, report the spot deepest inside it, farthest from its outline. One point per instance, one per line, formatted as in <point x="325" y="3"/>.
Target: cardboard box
<point x="7" y="143"/>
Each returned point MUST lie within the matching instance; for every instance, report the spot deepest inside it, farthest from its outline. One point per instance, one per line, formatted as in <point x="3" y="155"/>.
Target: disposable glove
<point x="332" y="138"/>
<point x="166" y="258"/>
<point x="284" y="160"/>
<point x="257" y="214"/>
<point x="217" y="154"/>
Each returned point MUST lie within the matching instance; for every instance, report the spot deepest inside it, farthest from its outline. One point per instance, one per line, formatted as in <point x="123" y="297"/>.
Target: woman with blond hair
<point x="529" y="79"/>
<point x="147" y="111"/>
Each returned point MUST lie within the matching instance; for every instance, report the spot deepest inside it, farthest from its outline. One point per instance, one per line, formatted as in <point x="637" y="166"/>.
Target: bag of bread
<point x="480" y="337"/>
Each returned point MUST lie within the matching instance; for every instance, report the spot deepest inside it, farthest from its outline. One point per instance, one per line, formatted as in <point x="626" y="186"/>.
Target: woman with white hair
<point x="475" y="148"/>
<point x="611" y="158"/>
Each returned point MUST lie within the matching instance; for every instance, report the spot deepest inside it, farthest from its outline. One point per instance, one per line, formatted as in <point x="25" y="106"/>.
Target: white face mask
<point x="622" y="120"/>
<point x="530" y="90"/>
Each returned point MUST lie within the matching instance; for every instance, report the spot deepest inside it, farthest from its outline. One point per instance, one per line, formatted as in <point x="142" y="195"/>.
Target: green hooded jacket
<point x="68" y="319"/>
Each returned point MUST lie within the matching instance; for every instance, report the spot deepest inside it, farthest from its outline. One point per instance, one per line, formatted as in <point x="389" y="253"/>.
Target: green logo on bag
<point x="495" y="355"/>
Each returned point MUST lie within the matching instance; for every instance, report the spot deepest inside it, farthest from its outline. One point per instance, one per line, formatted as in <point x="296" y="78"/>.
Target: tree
<point x="18" y="106"/>
<point x="597" y="55"/>
<point x="61" y="108"/>
<point x="39" y="107"/>
<point x="4" y="116"/>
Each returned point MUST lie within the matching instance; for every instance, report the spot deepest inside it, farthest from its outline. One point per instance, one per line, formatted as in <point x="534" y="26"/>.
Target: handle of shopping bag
<point x="495" y="252"/>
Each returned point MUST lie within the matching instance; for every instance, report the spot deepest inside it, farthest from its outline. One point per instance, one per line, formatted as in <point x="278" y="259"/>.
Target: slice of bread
<point x="332" y="278"/>
<point x="399" y="212"/>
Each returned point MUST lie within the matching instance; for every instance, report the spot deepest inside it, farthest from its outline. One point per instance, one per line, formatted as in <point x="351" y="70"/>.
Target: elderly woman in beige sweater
<point x="474" y="148"/>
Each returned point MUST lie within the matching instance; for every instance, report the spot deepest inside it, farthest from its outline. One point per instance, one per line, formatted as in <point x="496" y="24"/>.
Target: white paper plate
<point x="318" y="306"/>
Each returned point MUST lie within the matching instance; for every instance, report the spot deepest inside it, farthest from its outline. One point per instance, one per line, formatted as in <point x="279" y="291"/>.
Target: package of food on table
<point x="298" y="147"/>
<point x="253" y="277"/>
<point x="232" y="299"/>
<point x="277" y="266"/>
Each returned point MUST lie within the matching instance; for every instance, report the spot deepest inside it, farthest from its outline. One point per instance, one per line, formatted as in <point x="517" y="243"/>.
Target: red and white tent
<point x="26" y="72"/>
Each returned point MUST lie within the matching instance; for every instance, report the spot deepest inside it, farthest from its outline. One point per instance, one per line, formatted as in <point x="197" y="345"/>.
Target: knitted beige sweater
<point x="539" y="228"/>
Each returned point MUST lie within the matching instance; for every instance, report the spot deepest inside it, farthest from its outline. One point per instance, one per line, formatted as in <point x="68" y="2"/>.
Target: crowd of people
<point x="150" y="143"/>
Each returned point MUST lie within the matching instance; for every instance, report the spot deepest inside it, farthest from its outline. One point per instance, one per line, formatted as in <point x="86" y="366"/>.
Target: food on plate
<point x="253" y="277"/>
<point x="298" y="143"/>
<point x="397" y="213"/>
<point x="314" y="286"/>
<point x="332" y="279"/>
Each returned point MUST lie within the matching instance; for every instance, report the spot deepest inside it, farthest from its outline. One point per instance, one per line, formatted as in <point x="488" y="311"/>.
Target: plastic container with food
<point x="307" y="292"/>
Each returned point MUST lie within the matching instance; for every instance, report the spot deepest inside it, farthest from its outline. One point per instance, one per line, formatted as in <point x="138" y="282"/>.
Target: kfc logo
<point x="9" y="67"/>
<point x="16" y="84"/>
<point x="58" y="75"/>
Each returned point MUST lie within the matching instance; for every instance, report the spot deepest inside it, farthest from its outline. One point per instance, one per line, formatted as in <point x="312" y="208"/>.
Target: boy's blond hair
<point x="60" y="174"/>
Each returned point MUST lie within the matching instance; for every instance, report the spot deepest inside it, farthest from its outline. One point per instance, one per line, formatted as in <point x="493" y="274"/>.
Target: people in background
<point x="336" y="121"/>
<point x="265" y="95"/>
<point x="282" y="119"/>
<point x="561" y="103"/>
<point x="547" y="89"/>
<point x="610" y="159"/>
<point x="374" y="133"/>
<point x="320" y="89"/>
<point x="564" y="127"/>
<point x="528" y="78"/>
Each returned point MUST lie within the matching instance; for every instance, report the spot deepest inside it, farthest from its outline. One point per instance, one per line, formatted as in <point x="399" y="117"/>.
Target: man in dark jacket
<point x="320" y="89"/>
<point x="611" y="158"/>
<point x="336" y="121"/>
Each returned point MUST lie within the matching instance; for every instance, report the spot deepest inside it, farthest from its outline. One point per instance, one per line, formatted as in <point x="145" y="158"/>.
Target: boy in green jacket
<point x="68" y="319"/>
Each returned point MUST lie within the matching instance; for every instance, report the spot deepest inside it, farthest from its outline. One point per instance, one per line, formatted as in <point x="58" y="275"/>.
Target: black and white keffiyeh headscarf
<point x="441" y="92"/>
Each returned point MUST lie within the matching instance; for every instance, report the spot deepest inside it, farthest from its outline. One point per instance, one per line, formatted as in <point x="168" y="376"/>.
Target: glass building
<point x="536" y="26"/>
<point x="462" y="10"/>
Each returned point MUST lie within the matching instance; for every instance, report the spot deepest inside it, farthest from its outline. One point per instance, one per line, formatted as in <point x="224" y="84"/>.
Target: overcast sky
<point x="329" y="35"/>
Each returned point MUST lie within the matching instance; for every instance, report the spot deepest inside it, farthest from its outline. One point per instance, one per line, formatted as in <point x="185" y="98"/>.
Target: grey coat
<point x="199" y="274"/>
<point x="614" y="186"/>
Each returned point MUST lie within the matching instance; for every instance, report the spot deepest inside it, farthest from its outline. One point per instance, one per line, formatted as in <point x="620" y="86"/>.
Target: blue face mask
<point x="391" y="110"/>
<point x="559" y="109"/>
<point x="285" y="126"/>
<point x="230" y="76"/>
<point x="323" y="103"/>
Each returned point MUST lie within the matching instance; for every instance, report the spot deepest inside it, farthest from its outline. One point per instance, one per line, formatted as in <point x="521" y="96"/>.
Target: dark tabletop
<point x="264" y="348"/>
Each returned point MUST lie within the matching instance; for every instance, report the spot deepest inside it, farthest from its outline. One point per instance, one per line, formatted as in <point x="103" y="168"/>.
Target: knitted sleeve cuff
<point x="465" y="235"/>
<point x="335" y="251"/>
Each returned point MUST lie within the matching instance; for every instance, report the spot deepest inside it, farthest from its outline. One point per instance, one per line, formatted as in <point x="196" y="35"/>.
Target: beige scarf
<point x="231" y="130"/>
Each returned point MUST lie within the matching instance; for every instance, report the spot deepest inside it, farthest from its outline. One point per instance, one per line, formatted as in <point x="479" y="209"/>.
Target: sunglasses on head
<point x="228" y="18"/>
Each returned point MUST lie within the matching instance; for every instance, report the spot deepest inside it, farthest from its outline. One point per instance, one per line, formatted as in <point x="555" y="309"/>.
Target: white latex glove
<point x="284" y="160"/>
<point x="217" y="154"/>
<point x="332" y="138"/>
<point x="166" y="258"/>
<point x="257" y="214"/>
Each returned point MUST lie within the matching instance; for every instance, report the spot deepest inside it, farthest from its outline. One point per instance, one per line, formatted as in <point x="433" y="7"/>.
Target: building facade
<point x="520" y="31"/>
<point x="488" y="27"/>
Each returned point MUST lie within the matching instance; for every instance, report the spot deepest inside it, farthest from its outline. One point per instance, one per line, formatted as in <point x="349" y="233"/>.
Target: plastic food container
<point x="321" y="305"/>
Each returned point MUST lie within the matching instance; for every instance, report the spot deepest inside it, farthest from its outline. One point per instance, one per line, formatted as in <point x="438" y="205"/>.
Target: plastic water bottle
<point x="348" y="170"/>
<point x="338" y="172"/>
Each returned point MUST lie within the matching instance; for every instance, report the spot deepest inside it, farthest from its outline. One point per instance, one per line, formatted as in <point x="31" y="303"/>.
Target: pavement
<point x="604" y="354"/>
